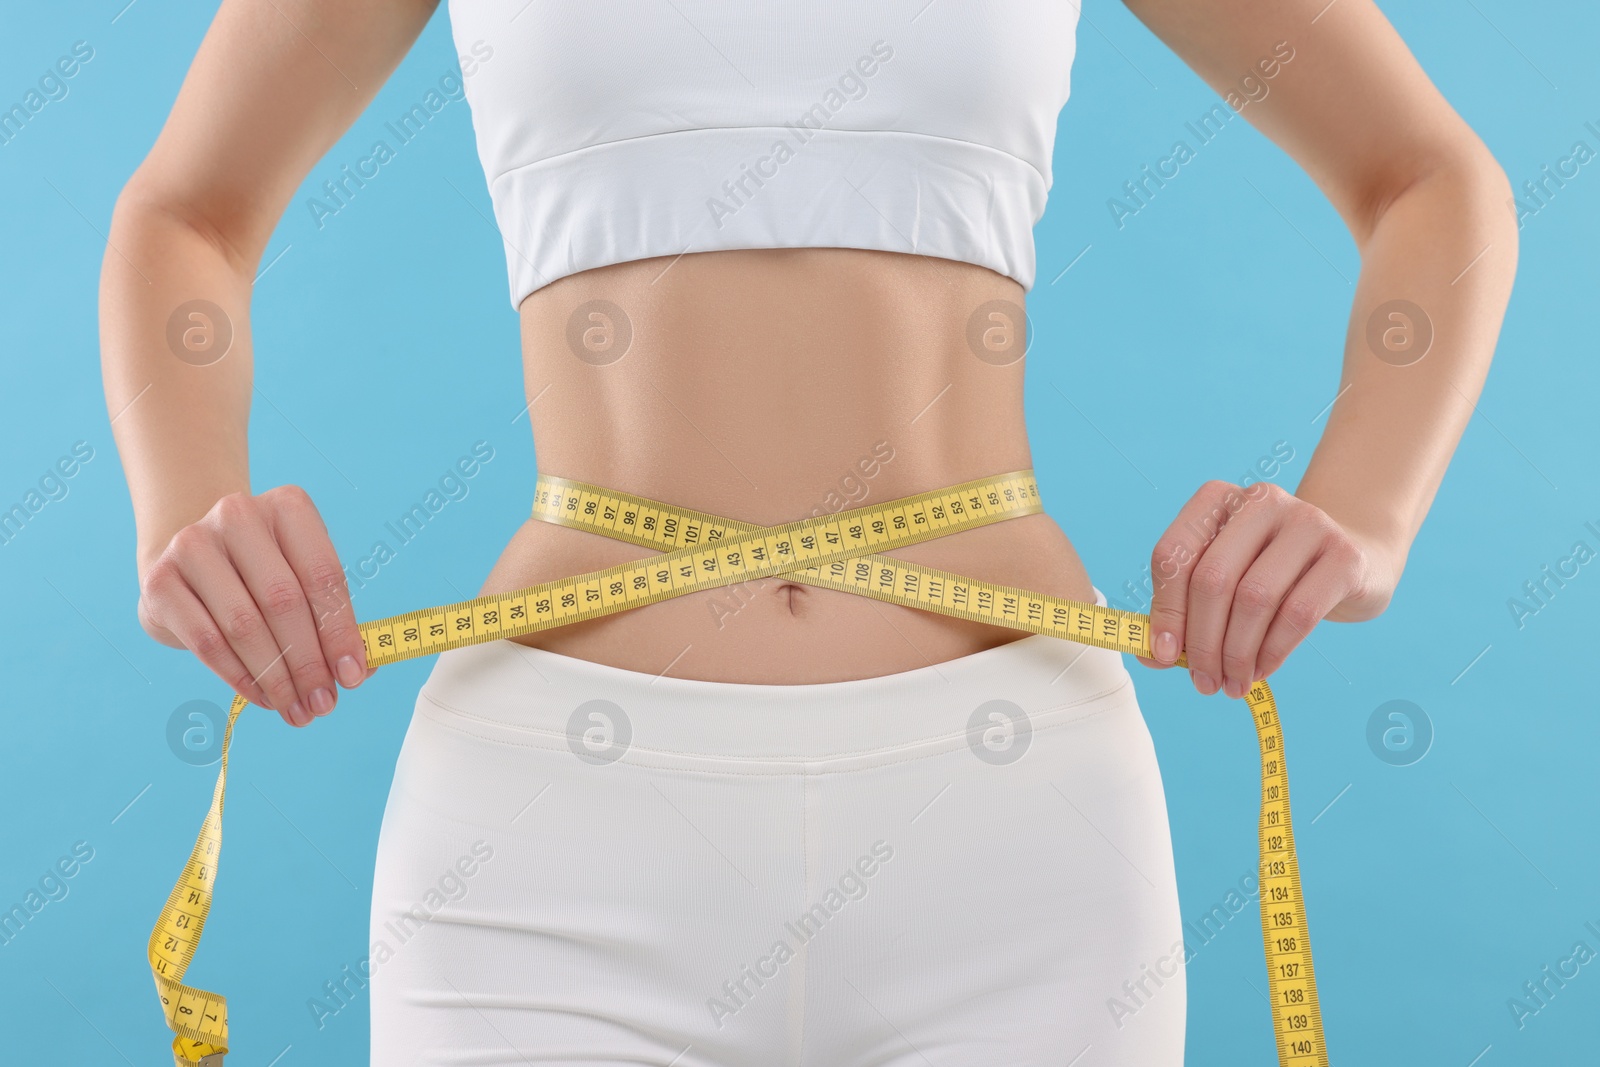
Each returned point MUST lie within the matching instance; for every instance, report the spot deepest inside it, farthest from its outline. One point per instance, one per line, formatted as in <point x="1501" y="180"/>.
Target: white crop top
<point x="615" y="130"/>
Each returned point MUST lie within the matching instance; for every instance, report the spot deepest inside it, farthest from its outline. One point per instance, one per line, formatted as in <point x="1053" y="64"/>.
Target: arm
<point x="250" y="583"/>
<point x="1426" y="204"/>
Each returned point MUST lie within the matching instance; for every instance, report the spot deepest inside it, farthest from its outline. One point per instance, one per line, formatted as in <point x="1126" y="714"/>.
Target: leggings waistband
<point x="521" y="695"/>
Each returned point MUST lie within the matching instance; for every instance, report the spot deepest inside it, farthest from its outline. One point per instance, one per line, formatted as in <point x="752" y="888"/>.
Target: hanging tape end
<point x="187" y="1053"/>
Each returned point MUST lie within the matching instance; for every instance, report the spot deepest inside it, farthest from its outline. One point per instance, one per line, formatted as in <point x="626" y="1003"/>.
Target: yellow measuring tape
<point x="701" y="551"/>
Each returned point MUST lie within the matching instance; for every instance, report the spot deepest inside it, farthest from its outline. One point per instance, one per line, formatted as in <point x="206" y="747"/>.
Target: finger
<point x="156" y="590"/>
<point x="212" y="576"/>
<point x="276" y="590"/>
<point x="191" y="623"/>
<point x="1173" y="559"/>
<point x="1211" y="588"/>
<point x="1322" y="588"/>
<point x="303" y="538"/>
<point x="1257" y="596"/>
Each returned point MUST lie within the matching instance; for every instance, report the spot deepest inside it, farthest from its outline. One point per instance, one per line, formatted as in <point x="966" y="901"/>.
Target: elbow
<point x="146" y="211"/>
<point x="1462" y="175"/>
<point x="1484" y="186"/>
<point x="1480" y="196"/>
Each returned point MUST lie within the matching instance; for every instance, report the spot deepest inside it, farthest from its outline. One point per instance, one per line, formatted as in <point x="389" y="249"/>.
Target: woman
<point x="771" y="264"/>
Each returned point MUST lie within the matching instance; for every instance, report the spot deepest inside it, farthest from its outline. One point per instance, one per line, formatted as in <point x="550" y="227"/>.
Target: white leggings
<point x="965" y="865"/>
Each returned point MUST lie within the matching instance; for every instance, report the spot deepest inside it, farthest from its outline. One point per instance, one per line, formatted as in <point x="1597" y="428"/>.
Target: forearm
<point x="1447" y="244"/>
<point x="180" y="421"/>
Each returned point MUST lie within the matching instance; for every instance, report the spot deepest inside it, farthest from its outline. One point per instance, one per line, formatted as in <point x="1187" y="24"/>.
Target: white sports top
<point x="615" y="130"/>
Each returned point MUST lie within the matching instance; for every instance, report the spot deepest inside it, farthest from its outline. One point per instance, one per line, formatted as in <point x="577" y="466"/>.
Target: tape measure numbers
<point x="702" y="551"/>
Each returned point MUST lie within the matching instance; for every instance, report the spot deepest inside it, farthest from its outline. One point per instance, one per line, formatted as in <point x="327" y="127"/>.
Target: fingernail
<point x="350" y="673"/>
<point x="1232" y="688"/>
<point x="1203" y="682"/>
<point x="321" y="701"/>
<point x="1166" y="646"/>
<point x="297" y="714"/>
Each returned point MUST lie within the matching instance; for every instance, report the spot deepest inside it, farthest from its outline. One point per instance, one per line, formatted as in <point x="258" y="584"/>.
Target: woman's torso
<point x="795" y="220"/>
<point x="766" y="385"/>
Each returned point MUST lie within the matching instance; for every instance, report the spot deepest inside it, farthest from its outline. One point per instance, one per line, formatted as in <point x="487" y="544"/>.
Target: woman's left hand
<point x="1242" y="575"/>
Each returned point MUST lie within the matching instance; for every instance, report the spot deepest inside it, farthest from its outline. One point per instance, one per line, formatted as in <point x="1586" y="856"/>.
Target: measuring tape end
<point x="190" y="1053"/>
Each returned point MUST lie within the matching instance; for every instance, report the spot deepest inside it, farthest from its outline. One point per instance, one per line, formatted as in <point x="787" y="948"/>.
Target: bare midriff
<point x="770" y="385"/>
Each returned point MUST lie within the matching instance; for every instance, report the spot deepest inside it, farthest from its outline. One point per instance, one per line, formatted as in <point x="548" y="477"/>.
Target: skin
<point x="251" y="583"/>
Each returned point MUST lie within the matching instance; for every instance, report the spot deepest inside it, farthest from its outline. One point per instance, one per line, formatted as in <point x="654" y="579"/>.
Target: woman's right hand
<point x="255" y="590"/>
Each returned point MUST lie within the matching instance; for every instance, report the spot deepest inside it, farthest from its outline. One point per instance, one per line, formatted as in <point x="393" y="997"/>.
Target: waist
<point x="775" y="631"/>
<point x="766" y="383"/>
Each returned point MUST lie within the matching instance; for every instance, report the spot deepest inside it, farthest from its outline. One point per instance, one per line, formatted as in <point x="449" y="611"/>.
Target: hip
<point x="764" y="873"/>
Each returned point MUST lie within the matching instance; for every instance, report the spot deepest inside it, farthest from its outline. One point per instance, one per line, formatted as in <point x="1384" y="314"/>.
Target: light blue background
<point x="1194" y="338"/>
